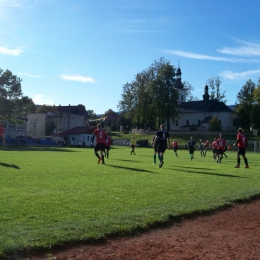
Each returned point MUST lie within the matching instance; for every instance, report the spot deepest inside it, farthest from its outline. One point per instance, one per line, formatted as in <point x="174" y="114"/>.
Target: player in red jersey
<point x="206" y="146"/>
<point x="100" y="143"/>
<point x="221" y="145"/>
<point x="108" y="142"/>
<point x="214" y="149"/>
<point x="242" y="144"/>
<point x="175" y="145"/>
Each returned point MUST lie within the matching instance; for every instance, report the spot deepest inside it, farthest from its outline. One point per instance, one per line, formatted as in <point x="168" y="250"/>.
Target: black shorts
<point x="161" y="148"/>
<point x="156" y="147"/>
<point x="215" y="151"/>
<point x="133" y="147"/>
<point x="175" y="149"/>
<point x="219" y="151"/>
<point x="107" y="148"/>
<point x="241" y="151"/>
<point x="191" y="150"/>
<point x="100" y="147"/>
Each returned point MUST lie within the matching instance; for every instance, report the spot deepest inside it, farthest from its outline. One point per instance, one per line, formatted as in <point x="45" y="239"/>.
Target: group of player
<point x="103" y="142"/>
<point x="161" y="141"/>
<point x="219" y="147"/>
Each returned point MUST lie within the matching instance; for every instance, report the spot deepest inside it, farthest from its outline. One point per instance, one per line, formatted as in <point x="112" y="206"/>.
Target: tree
<point x="255" y="113"/>
<point x="189" y="88"/>
<point x="214" y="85"/>
<point x="12" y="102"/>
<point x="256" y="93"/>
<point x="151" y="98"/>
<point x="92" y="114"/>
<point x="243" y="110"/>
<point x="44" y="109"/>
<point x="214" y="124"/>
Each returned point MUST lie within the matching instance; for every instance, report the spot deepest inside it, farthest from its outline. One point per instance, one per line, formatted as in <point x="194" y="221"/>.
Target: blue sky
<point x="84" y="51"/>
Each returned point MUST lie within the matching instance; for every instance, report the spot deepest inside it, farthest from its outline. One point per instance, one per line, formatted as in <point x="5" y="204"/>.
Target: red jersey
<point x="108" y="141"/>
<point x="100" y="136"/>
<point x="2" y="131"/>
<point x="221" y="143"/>
<point x="214" y="144"/>
<point x="206" y="144"/>
<point x="174" y="144"/>
<point x="241" y="140"/>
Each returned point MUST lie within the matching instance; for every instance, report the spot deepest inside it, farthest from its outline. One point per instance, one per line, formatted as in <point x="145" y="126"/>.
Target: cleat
<point x="161" y="164"/>
<point x="247" y="166"/>
<point x="237" y="166"/>
<point x="99" y="160"/>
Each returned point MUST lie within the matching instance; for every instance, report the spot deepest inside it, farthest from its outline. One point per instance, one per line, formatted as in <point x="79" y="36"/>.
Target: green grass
<point x="54" y="196"/>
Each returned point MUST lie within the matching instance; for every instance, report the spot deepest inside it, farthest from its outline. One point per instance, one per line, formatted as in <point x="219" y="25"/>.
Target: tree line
<point x="148" y="100"/>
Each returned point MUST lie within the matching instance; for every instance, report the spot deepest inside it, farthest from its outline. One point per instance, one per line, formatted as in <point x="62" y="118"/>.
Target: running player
<point x="191" y="147"/>
<point x="175" y="145"/>
<point x="221" y="144"/>
<point x="108" y="142"/>
<point x="206" y="146"/>
<point x="133" y="145"/>
<point x="242" y="144"/>
<point x="202" y="148"/>
<point x="214" y="149"/>
<point x="163" y="138"/>
<point x="155" y="146"/>
<point x="100" y="143"/>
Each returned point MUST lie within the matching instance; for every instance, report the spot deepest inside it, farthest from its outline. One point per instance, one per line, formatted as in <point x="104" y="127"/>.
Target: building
<point x="196" y="115"/>
<point x="67" y="117"/>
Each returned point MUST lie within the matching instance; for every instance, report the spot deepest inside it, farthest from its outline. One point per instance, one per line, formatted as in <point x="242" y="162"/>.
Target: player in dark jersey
<point x="163" y="139"/>
<point x="242" y="144"/>
<point x="191" y="146"/>
<point x="202" y="148"/>
<point x="155" y="146"/>
<point x="100" y="143"/>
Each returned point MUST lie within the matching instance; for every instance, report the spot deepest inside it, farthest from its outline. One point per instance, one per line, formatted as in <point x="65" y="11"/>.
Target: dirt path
<point x="229" y="234"/>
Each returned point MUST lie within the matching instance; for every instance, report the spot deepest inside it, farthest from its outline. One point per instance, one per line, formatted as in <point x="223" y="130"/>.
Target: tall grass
<point x="52" y="196"/>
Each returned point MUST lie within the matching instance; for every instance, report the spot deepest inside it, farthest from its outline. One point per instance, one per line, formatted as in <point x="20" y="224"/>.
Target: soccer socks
<point x="97" y="155"/>
<point x="238" y="161"/>
<point x="246" y="161"/>
<point x="154" y="159"/>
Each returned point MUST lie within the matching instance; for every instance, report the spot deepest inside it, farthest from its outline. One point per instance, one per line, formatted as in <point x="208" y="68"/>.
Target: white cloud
<point x="239" y="75"/>
<point x="249" y="49"/>
<point x="201" y="56"/>
<point x="78" y="78"/>
<point x="13" y="52"/>
<point x="29" y="75"/>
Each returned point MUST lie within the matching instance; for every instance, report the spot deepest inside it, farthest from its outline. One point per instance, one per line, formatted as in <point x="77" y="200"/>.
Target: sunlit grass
<point x="52" y="196"/>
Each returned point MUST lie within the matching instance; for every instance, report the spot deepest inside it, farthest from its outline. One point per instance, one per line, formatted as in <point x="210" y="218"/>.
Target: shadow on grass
<point x="128" y="168"/>
<point x="207" y="173"/>
<point x="9" y="165"/>
<point x="39" y="149"/>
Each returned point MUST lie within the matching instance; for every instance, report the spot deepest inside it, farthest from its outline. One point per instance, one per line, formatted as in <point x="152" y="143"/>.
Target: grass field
<point x="54" y="196"/>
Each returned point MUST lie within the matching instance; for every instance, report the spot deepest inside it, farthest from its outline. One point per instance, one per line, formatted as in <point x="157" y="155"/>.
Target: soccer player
<point x="206" y="146"/>
<point x="191" y="147"/>
<point x="214" y="149"/>
<point x="242" y="144"/>
<point x="133" y="145"/>
<point x="175" y="147"/>
<point x="108" y="142"/>
<point x="2" y="133"/>
<point x="155" y="147"/>
<point x="221" y="144"/>
<point x="100" y="143"/>
<point x="229" y="148"/>
<point x="163" y="138"/>
<point x="202" y="148"/>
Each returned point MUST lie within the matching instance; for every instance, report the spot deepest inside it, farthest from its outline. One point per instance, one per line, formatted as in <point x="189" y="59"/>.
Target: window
<point x="20" y="127"/>
<point x="73" y="138"/>
<point x="11" y="127"/>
